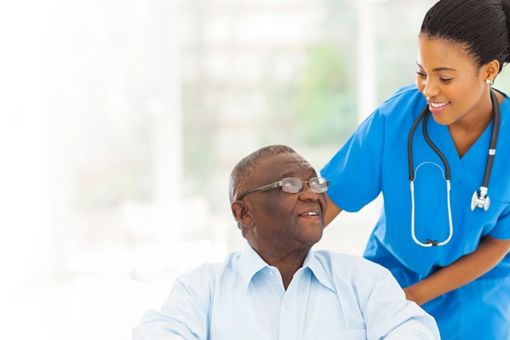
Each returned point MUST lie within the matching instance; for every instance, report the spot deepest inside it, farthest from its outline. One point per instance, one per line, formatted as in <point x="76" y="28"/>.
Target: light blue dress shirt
<point x="333" y="296"/>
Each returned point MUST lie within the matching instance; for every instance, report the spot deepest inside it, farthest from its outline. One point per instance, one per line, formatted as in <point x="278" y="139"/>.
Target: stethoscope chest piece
<point x="480" y="200"/>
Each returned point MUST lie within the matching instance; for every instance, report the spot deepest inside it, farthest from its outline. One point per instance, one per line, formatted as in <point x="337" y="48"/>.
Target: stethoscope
<point x="480" y="198"/>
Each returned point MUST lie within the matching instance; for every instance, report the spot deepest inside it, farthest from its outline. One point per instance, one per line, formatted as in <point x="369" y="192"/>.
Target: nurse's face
<point x="451" y="80"/>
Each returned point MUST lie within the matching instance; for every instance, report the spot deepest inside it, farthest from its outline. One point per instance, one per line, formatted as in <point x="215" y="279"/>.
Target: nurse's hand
<point x="461" y="272"/>
<point x="412" y="296"/>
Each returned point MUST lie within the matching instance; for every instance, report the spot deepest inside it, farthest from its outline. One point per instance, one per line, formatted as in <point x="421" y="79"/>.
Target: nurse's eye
<point x="420" y="74"/>
<point x="445" y="80"/>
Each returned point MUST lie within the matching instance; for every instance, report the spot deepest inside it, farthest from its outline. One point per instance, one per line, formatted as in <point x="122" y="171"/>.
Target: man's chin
<point x="312" y="234"/>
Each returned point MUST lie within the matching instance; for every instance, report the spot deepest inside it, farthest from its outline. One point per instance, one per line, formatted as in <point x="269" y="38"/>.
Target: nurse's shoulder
<point x="405" y="100"/>
<point x="395" y="115"/>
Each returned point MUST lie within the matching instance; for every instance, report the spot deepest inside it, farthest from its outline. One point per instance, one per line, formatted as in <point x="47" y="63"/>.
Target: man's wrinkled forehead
<point x="275" y="167"/>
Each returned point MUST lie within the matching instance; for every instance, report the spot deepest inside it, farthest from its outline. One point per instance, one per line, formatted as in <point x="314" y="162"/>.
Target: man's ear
<point x="242" y="214"/>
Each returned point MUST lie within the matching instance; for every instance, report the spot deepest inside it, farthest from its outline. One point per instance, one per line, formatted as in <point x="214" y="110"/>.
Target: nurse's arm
<point x="332" y="211"/>
<point x="466" y="269"/>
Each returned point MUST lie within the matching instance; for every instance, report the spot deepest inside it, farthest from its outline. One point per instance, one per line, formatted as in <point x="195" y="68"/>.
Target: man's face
<point x="283" y="221"/>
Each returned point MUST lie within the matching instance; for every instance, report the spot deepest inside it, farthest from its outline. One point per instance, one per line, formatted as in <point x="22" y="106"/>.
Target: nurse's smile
<point x="437" y="108"/>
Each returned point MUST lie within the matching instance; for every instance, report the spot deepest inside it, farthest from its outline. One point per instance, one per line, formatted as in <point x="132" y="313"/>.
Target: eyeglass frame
<point x="279" y="184"/>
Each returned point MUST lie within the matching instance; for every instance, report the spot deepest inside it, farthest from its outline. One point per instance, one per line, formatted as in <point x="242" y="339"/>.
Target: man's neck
<point x="287" y="271"/>
<point x="287" y="262"/>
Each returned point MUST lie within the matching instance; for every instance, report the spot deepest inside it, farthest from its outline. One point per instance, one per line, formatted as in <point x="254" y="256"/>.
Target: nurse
<point x="446" y="240"/>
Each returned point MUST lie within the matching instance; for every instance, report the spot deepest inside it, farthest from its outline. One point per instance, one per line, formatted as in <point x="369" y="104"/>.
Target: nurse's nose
<point x="429" y="89"/>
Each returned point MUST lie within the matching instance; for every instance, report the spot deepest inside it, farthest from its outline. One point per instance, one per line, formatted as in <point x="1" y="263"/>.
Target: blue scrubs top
<point x="375" y="160"/>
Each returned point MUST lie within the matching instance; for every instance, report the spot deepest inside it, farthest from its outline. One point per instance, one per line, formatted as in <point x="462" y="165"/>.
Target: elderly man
<point x="277" y="288"/>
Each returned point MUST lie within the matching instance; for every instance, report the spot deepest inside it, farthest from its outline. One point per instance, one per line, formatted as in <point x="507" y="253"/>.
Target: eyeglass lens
<point x="294" y="185"/>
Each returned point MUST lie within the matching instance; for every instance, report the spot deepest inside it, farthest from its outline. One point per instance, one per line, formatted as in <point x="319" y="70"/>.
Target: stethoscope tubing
<point x="494" y="139"/>
<point x="424" y="115"/>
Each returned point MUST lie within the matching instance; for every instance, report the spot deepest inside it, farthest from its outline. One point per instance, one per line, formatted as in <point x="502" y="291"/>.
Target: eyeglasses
<point x="291" y="185"/>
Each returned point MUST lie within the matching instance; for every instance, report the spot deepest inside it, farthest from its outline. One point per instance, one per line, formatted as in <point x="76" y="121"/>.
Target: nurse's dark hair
<point x="248" y="165"/>
<point x="482" y="26"/>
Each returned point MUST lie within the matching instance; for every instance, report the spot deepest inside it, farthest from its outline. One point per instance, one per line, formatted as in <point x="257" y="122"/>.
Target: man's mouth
<point x="310" y="213"/>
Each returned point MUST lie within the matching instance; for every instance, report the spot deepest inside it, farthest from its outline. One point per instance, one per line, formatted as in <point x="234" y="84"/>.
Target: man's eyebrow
<point x="311" y="173"/>
<point x="438" y="69"/>
<point x="288" y="174"/>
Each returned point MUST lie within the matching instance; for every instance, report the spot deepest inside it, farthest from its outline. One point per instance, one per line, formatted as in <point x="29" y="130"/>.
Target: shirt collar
<point x="250" y="263"/>
<point x="318" y="270"/>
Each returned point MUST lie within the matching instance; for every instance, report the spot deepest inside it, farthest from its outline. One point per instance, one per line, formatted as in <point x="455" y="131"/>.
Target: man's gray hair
<point x="247" y="165"/>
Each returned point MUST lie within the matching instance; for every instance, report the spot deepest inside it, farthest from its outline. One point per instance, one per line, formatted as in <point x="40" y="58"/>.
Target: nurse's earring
<point x="489" y="82"/>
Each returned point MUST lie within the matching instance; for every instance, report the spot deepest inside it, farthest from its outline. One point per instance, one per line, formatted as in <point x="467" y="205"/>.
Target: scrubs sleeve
<point x="354" y="173"/>
<point x="502" y="228"/>
<point x="183" y="316"/>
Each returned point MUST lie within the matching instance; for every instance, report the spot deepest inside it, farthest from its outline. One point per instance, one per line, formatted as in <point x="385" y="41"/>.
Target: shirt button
<point x="289" y="305"/>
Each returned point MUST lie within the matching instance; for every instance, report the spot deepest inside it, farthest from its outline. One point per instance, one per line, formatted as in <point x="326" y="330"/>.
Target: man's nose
<point x="307" y="193"/>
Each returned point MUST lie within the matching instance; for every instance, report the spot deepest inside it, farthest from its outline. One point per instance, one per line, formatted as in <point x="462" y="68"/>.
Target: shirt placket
<point x="291" y="311"/>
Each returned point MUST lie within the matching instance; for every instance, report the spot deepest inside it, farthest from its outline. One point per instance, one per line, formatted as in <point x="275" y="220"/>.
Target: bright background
<point x="120" y="121"/>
